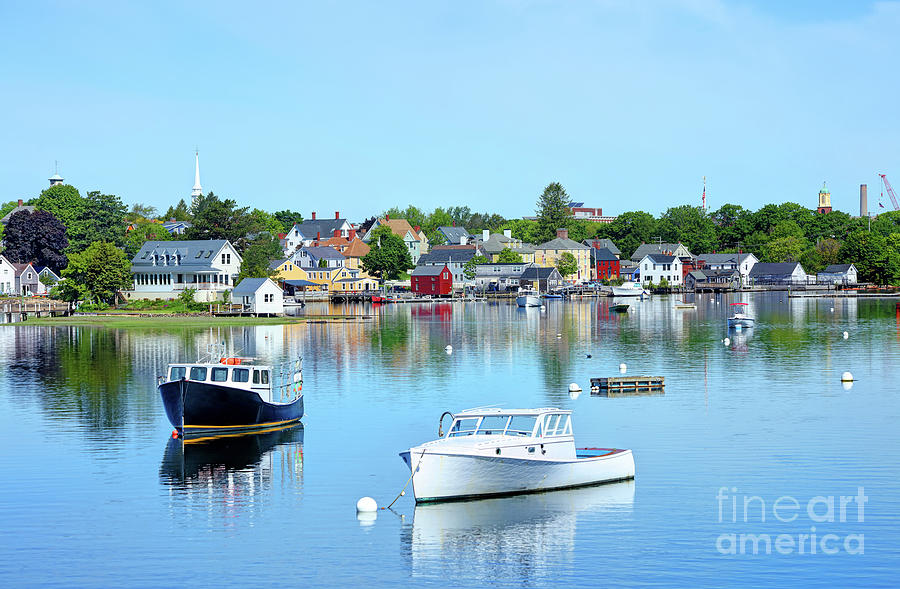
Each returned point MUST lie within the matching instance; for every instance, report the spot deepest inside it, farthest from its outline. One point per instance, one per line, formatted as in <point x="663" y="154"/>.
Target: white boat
<point x="528" y="298"/>
<point x="629" y="289"/>
<point x="739" y="319"/>
<point x="491" y="452"/>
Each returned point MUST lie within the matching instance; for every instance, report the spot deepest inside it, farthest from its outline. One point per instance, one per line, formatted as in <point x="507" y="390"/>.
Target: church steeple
<point x="197" y="191"/>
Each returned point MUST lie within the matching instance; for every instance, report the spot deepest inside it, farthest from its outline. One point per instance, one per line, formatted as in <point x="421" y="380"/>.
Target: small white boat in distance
<point x="528" y="298"/>
<point x="491" y="452"/>
<point x="740" y="319"/>
<point x="629" y="289"/>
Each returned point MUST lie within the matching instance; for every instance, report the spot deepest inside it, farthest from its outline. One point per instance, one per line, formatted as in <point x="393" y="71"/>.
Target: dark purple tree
<point x="36" y="237"/>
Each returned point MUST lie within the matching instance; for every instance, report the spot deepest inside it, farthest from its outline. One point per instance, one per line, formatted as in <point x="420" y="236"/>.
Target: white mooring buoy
<point x="574" y="387"/>
<point x="726" y="341"/>
<point x="847" y="385"/>
<point x="847" y="377"/>
<point x="449" y="349"/>
<point x="846" y="335"/>
<point x="366" y="505"/>
<point x="831" y="309"/>
<point x="623" y="367"/>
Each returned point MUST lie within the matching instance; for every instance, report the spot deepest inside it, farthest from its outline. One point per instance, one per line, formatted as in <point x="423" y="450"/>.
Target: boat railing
<point x="288" y="380"/>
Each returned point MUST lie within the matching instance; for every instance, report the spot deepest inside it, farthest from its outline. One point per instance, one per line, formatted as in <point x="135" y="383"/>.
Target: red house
<point x="606" y="264"/>
<point x="432" y="280"/>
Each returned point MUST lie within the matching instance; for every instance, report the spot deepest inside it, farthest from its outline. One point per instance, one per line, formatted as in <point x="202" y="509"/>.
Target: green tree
<point x="733" y="225"/>
<point x="785" y="249"/>
<point x="567" y="264"/>
<point x="287" y="218"/>
<point x="508" y="256"/>
<point x="469" y="267"/>
<point x="869" y="251"/>
<point x="522" y="229"/>
<point x="90" y="218"/>
<point x="256" y="259"/>
<point x="553" y="211"/>
<point x="94" y="275"/>
<point x="630" y="230"/>
<point x="145" y="231"/>
<point x="389" y="255"/>
<point x="268" y="222"/>
<point x="140" y="213"/>
<point x="180" y="212"/>
<point x="688" y="225"/>
<point x="221" y="219"/>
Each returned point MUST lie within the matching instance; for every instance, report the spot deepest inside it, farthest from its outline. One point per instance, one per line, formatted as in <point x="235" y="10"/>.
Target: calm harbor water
<point x="95" y="493"/>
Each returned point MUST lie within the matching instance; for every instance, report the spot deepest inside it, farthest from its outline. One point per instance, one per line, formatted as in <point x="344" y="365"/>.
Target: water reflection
<point x="231" y="472"/>
<point x="524" y="537"/>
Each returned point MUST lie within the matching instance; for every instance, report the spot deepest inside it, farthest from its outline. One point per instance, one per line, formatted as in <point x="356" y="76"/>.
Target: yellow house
<point x="547" y="254"/>
<point x="325" y="279"/>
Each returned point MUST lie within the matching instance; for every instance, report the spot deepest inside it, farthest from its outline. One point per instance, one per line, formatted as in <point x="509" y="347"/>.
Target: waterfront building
<point x="432" y="280"/>
<point x="259" y="295"/>
<point x="27" y="279"/>
<point x="603" y="243"/>
<point x="7" y="276"/>
<point x="742" y="262"/>
<point x="335" y="278"/>
<point x="540" y="278"/>
<point x="318" y="257"/>
<point x="314" y="229"/>
<point x="729" y="279"/>
<point x="838" y="274"/>
<point x="656" y="267"/>
<point x="355" y="252"/>
<point x="548" y="254"/>
<point x="678" y="250"/>
<point x="402" y="229"/>
<point x="781" y="273"/>
<point x="162" y="269"/>
<point x="455" y="259"/>
<point x="604" y="264"/>
<point x="499" y="277"/>
<point x="494" y="243"/>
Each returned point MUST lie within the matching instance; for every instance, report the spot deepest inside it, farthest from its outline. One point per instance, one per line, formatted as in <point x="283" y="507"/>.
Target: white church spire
<point x="197" y="191"/>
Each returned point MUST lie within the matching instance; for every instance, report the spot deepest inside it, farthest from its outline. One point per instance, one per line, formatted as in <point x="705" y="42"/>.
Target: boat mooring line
<point x="412" y="474"/>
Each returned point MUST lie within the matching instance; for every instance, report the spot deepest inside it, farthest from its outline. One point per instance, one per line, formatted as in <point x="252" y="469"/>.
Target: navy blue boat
<point x="210" y="398"/>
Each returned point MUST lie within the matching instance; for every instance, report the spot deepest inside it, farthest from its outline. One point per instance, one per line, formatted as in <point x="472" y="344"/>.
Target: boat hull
<point x="528" y="301"/>
<point x="199" y="408"/>
<point x="619" y="291"/>
<point x="741" y="322"/>
<point x="448" y="477"/>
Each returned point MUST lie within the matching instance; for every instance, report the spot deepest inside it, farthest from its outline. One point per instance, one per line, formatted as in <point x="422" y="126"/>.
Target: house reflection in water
<point x="522" y="537"/>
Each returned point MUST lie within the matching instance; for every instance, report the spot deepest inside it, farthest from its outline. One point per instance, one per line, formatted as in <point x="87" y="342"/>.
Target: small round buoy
<point x="726" y="341"/>
<point x="543" y="308"/>
<point x="573" y="387"/>
<point x="831" y="309"/>
<point x="623" y="367"/>
<point x="846" y="335"/>
<point x="366" y="504"/>
<point x="847" y="385"/>
<point x="847" y="377"/>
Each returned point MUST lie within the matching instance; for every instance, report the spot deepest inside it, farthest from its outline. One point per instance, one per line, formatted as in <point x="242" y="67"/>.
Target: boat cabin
<point x="253" y="378"/>
<point x="529" y="423"/>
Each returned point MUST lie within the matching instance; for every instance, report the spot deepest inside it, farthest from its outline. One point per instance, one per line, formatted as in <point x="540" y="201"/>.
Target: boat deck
<point x="596" y="452"/>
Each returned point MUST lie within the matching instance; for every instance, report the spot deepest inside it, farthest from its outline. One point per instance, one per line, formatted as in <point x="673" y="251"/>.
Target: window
<point x="463" y="427"/>
<point x="177" y="372"/>
<point x="492" y="425"/>
<point x="240" y="375"/>
<point x="256" y="377"/>
<point x="265" y="377"/>
<point x="521" y="425"/>
<point x="226" y="258"/>
<point x="219" y="374"/>
<point x="198" y="373"/>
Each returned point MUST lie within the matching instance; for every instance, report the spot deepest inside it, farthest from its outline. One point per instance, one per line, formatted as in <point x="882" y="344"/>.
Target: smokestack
<point x="314" y="216"/>
<point x="863" y="201"/>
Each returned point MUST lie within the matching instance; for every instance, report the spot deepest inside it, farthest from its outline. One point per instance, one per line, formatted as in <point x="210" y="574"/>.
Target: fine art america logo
<point x="813" y="519"/>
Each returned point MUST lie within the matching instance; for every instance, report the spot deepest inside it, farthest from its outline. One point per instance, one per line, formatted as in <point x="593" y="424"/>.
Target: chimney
<point x="507" y="233"/>
<point x="337" y="232"/>
<point x="314" y="216"/>
<point x="417" y="228"/>
<point x="337" y="214"/>
<point x="485" y="234"/>
<point x="387" y="217"/>
<point x="352" y="234"/>
<point x="863" y="201"/>
<point x="562" y="233"/>
<point x="318" y="236"/>
<point x="462" y="240"/>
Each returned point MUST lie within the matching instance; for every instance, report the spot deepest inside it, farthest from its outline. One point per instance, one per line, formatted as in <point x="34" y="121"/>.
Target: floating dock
<point x="613" y="385"/>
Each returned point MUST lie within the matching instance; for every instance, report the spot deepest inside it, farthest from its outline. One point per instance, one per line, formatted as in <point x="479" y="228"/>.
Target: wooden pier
<point x="617" y="385"/>
<point x="14" y="311"/>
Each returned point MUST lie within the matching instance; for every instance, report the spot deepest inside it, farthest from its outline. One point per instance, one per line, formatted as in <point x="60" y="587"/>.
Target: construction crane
<point x="890" y="191"/>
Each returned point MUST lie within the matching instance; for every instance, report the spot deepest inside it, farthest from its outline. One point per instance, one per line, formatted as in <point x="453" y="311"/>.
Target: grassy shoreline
<point x="167" y="320"/>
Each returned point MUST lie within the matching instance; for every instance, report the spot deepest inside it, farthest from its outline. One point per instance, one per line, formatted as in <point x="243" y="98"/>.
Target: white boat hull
<point x="741" y="322"/>
<point x="528" y="301"/>
<point x="632" y="289"/>
<point x="446" y="476"/>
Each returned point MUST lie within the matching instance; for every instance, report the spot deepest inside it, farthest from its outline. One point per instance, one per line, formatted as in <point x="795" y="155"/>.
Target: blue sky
<point x="361" y="106"/>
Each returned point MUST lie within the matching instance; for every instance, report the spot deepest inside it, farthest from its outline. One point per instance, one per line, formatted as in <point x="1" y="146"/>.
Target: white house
<point x="162" y="269"/>
<point x="743" y="263"/>
<point x="7" y="276"/>
<point x="259" y="295"/>
<point x="679" y="250"/>
<point x="837" y="274"/>
<point x="655" y="267"/>
<point x="312" y="230"/>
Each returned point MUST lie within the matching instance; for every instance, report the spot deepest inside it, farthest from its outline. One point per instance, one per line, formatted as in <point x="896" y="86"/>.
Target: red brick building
<point x="432" y="280"/>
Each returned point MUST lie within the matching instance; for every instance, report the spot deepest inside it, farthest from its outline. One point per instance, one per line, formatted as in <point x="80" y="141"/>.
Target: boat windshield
<point x="557" y="424"/>
<point x="497" y="425"/>
<point x="492" y="425"/>
<point x="463" y="427"/>
<point x="177" y="372"/>
<point x="521" y="425"/>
